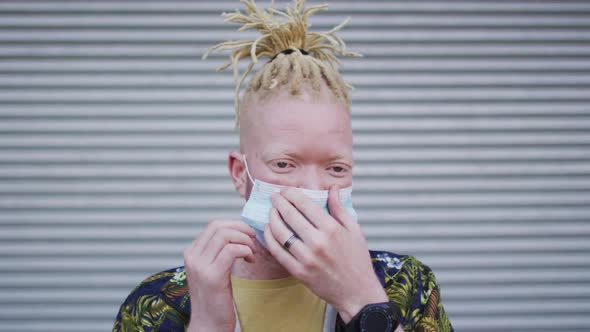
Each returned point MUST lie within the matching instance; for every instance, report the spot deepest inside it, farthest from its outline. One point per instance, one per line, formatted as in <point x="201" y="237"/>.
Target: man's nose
<point x="311" y="178"/>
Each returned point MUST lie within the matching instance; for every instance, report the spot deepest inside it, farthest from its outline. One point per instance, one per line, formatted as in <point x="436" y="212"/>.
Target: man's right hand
<point x="208" y="262"/>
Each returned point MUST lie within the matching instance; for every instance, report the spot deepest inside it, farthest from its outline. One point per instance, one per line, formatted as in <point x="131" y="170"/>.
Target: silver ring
<point x="290" y="241"/>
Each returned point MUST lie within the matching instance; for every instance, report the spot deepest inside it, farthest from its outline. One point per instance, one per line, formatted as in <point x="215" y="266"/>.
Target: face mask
<point x="257" y="209"/>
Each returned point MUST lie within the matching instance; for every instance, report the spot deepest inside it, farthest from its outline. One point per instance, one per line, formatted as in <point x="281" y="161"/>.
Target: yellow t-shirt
<point x="282" y="305"/>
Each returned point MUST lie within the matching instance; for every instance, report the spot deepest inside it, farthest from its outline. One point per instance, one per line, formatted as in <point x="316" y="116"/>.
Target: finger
<point x="280" y="254"/>
<point x="223" y="237"/>
<point x="282" y="233"/>
<point x="228" y="255"/>
<point x="293" y="217"/>
<point x="213" y="226"/>
<point x="336" y="208"/>
<point x="312" y="211"/>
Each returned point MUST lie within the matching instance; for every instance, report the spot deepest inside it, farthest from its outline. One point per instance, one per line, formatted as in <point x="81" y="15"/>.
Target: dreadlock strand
<point x="234" y="62"/>
<point x="315" y="76"/>
<point x="268" y="72"/>
<point x="304" y="68"/>
<point x="253" y="47"/>
<point x="237" y="92"/>
<point x="332" y="81"/>
<point x="284" y="65"/>
<point x="297" y="78"/>
<point x="255" y="82"/>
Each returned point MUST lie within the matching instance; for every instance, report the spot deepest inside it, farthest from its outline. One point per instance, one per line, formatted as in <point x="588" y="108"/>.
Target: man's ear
<point x="237" y="171"/>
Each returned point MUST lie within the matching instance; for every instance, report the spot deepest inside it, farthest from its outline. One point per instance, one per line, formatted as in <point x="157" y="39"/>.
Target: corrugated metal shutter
<point x="472" y="141"/>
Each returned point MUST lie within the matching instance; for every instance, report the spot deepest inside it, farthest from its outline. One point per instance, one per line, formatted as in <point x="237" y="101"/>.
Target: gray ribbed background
<point x="472" y="133"/>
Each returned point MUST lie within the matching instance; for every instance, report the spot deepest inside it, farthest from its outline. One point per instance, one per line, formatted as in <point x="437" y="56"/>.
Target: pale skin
<point x="301" y="142"/>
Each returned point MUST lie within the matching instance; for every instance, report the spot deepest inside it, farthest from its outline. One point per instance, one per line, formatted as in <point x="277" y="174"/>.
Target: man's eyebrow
<point x="280" y="151"/>
<point x="297" y="155"/>
<point x="342" y="157"/>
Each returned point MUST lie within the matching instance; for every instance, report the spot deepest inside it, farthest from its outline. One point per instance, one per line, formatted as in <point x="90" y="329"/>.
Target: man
<point x="294" y="262"/>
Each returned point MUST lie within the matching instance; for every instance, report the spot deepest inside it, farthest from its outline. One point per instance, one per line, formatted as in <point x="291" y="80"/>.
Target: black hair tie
<point x="289" y="51"/>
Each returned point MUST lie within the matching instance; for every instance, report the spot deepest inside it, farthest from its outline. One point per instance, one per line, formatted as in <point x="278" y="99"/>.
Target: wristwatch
<point x="375" y="317"/>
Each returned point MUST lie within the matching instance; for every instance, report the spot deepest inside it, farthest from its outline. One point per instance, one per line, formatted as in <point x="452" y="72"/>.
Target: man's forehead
<point x="301" y="151"/>
<point x="282" y="125"/>
<point x="290" y="125"/>
<point x="297" y="115"/>
<point x="304" y="100"/>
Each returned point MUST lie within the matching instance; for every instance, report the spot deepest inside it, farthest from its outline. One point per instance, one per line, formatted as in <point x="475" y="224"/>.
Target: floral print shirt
<point x="161" y="302"/>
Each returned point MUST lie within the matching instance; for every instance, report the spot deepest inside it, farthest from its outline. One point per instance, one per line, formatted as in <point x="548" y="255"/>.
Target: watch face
<point x="376" y="318"/>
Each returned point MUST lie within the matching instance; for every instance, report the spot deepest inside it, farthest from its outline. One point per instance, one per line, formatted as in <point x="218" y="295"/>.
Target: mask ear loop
<point x="247" y="170"/>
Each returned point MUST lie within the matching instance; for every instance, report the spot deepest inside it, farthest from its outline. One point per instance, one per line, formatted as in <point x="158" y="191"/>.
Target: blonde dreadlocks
<point x="286" y="40"/>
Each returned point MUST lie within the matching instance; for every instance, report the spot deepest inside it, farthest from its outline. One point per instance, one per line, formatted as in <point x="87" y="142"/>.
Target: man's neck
<point x="265" y="266"/>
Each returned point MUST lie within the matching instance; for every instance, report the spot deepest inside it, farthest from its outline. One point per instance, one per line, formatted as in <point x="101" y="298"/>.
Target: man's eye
<point x="282" y="164"/>
<point x="338" y="169"/>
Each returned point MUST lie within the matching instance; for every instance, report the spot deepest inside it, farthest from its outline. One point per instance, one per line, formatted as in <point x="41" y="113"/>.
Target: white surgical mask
<point x="257" y="209"/>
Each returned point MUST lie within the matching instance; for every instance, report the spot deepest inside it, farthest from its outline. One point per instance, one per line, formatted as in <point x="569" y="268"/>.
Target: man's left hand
<point x="330" y="256"/>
